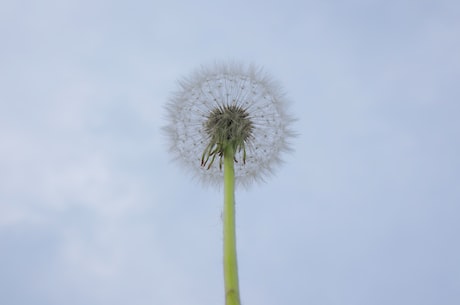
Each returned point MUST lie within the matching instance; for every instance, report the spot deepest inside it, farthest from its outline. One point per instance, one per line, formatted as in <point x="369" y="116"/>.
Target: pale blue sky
<point x="365" y="211"/>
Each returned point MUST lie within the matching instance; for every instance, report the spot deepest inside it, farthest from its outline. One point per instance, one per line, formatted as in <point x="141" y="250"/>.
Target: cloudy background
<point x="365" y="211"/>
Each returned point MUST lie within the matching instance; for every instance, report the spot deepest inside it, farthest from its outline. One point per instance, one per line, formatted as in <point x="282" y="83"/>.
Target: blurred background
<point x="365" y="211"/>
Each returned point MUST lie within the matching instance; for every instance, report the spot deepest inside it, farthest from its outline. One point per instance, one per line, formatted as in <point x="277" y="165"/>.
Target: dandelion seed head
<point x="229" y="103"/>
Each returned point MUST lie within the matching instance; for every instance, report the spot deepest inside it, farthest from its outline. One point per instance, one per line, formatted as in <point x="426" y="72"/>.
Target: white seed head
<point x="229" y="104"/>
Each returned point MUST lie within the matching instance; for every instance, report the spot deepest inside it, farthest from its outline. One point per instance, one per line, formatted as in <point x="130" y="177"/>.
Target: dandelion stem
<point x="232" y="292"/>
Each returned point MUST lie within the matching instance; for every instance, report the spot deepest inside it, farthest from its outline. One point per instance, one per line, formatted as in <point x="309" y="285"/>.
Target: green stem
<point x="232" y="293"/>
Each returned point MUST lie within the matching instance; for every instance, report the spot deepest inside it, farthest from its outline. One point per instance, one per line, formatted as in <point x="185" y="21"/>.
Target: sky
<point x="365" y="210"/>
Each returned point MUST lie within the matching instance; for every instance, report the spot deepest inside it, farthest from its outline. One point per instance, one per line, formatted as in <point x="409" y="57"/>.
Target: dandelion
<point x="229" y="123"/>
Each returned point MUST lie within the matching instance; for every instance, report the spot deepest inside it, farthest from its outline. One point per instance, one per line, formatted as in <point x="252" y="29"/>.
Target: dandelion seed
<point x="229" y="123"/>
<point x="229" y="104"/>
